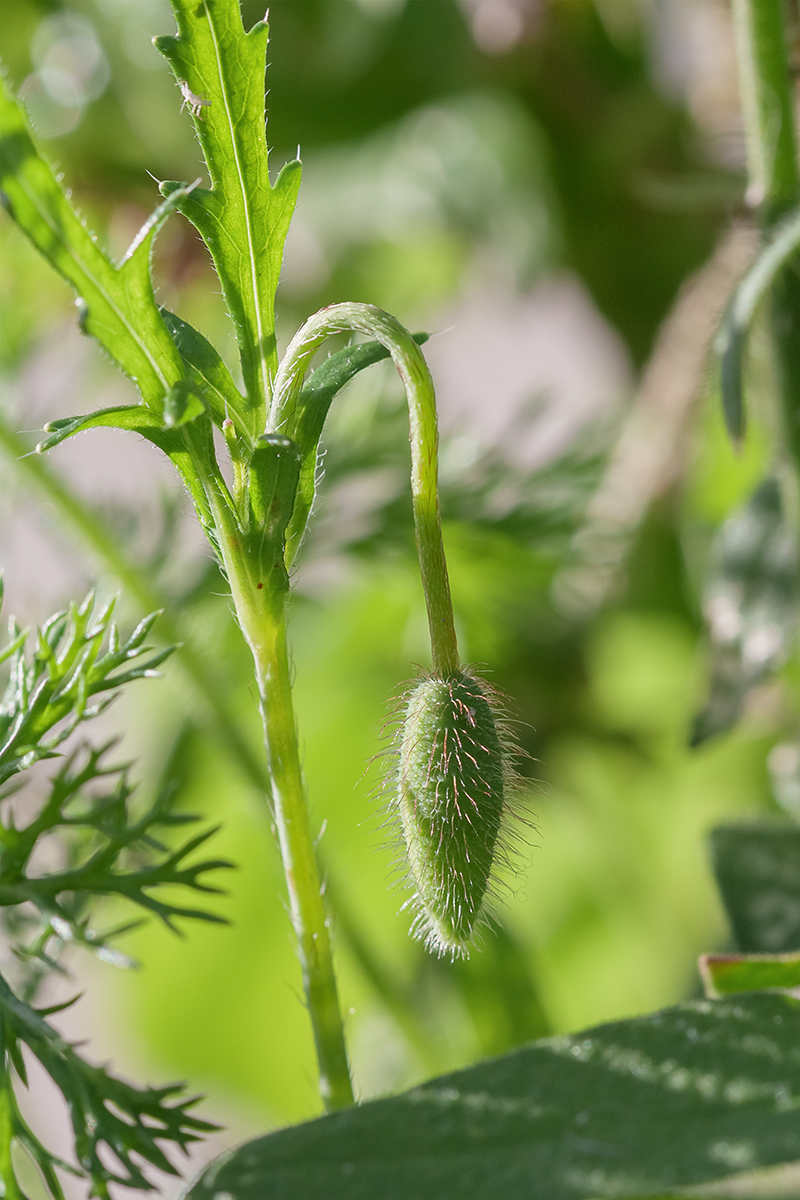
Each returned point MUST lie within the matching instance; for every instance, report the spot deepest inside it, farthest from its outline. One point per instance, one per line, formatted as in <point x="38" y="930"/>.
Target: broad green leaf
<point x="319" y="392"/>
<point x="206" y="368"/>
<point x="632" y="1109"/>
<point x="724" y="974"/>
<point x="758" y="872"/>
<point x="750" y="603"/>
<point x="243" y="218"/>
<point x="732" y="336"/>
<point x="117" y="305"/>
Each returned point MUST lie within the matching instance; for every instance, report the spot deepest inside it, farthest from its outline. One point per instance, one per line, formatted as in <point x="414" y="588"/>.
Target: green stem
<point x="7" y="1111"/>
<point x="265" y="633"/>
<point x="259" y="598"/>
<point x="768" y="110"/>
<point x="91" y="528"/>
<point x="423" y="436"/>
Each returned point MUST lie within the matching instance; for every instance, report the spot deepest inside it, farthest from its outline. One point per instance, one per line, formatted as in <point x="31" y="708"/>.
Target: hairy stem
<point x="7" y="1177"/>
<point x="91" y="528"/>
<point x="259" y="598"/>
<point x="423" y="436"/>
<point x="96" y="535"/>
<point x="768" y="110"/>
<point x="266" y="635"/>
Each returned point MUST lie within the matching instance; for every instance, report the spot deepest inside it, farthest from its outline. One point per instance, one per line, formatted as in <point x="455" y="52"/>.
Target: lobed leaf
<point x="47" y="697"/>
<point x="243" y="218"/>
<point x="117" y="304"/>
<point x="630" y="1109"/>
<point x="185" y="455"/>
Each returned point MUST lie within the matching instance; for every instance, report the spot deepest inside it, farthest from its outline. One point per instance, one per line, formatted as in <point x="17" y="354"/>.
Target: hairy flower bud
<point x="452" y="783"/>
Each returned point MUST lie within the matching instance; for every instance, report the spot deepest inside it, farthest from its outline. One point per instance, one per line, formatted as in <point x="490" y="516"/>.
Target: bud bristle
<point x="451" y="794"/>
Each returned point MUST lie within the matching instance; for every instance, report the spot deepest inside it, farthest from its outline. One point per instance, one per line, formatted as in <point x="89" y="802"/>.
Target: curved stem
<point x="423" y="436"/>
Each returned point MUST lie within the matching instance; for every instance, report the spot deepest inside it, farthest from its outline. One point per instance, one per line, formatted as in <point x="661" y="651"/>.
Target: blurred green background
<point x="534" y="181"/>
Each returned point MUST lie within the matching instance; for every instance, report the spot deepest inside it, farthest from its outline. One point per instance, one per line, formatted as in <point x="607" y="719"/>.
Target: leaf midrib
<point x="263" y="371"/>
<point x="76" y="258"/>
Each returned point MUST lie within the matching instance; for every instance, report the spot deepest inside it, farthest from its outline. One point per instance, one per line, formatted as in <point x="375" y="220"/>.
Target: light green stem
<point x="423" y="436"/>
<point x="260" y="602"/>
<point x="767" y="106"/>
<point x="7" y="1178"/>
<point x="86" y="522"/>
<point x="91" y="528"/>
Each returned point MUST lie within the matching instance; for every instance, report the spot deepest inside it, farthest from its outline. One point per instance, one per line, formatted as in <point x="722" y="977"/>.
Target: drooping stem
<point x="768" y="110"/>
<point x="88" y="524"/>
<point x="423" y="436"/>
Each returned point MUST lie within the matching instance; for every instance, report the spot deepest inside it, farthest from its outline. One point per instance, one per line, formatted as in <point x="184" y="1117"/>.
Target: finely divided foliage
<point x="88" y="821"/>
<point x="666" y="1101"/>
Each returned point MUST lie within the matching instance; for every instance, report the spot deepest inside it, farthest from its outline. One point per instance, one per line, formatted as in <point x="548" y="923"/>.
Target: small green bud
<point x="452" y="783"/>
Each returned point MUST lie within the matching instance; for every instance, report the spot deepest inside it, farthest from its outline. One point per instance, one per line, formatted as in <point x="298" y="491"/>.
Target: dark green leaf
<point x="637" y="1107"/>
<point x="244" y="218"/>
<point x="732" y="336"/>
<point x="273" y="483"/>
<point x="758" y="872"/>
<point x="750" y="604"/>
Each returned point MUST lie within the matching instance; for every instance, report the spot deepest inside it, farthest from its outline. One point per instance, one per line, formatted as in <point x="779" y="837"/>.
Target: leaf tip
<point x="166" y="44"/>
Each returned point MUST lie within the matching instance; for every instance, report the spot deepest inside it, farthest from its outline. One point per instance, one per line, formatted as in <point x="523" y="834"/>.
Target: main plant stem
<point x="768" y="110"/>
<point x="259" y="598"/>
<point x="290" y="811"/>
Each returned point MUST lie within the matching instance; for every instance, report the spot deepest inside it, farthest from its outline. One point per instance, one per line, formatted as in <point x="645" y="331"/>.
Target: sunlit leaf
<point x="243" y="218"/>
<point x="116" y="302"/>
<point x="183" y="403"/>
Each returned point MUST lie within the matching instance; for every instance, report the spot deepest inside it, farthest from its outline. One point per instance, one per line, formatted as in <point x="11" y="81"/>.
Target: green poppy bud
<point x="452" y="782"/>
